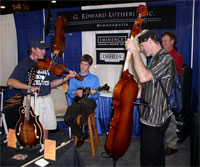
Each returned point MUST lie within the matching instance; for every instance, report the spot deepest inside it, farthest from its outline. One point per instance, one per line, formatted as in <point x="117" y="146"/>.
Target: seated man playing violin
<point x="85" y="105"/>
<point x="43" y="82"/>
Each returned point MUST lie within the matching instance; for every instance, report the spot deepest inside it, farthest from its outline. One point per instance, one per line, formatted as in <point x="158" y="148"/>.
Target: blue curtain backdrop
<point x="30" y="25"/>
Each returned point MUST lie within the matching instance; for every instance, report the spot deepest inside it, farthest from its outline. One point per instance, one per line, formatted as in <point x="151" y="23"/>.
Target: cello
<point x="29" y="130"/>
<point x="125" y="93"/>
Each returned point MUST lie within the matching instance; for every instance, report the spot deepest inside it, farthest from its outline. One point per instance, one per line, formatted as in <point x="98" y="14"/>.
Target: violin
<point x="56" y="68"/>
<point x="125" y="93"/>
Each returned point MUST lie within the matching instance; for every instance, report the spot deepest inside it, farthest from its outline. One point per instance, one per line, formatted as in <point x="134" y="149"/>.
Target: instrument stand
<point x="2" y="114"/>
<point x="19" y="147"/>
<point x="42" y="148"/>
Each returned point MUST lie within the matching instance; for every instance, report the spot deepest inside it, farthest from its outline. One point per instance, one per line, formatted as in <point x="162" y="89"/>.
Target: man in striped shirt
<point x="155" y="117"/>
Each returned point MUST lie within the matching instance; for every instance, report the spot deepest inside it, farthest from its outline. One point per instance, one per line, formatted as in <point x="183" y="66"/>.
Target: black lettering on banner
<point x="110" y="56"/>
<point x="116" y="40"/>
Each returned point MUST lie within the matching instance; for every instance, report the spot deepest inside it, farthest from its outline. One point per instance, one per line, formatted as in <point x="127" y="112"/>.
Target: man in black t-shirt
<point x="43" y="82"/>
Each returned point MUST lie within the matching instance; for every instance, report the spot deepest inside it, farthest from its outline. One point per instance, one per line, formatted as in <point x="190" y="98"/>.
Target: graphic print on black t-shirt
<point x="41" y="74"/>
<point x="43" y="77"/>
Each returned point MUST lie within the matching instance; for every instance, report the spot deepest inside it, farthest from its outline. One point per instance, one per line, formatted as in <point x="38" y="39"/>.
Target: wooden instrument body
<point x="56" y="68"/>
<point x="29" y="130"/>
<point x="119" y="136"/>
<point x="29" y="133"/>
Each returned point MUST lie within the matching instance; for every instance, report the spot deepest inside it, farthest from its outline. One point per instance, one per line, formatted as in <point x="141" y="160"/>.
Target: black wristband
<point x="63" y="81"/>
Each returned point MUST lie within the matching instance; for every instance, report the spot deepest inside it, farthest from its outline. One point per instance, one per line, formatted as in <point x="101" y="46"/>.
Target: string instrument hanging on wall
<point x="125" y="93"/>
<point x="58" y="44"/>
<point x="29" y="130"/>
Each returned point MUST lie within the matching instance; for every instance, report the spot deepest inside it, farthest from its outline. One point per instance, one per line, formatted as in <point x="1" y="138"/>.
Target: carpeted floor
<point x="132" y="156"/>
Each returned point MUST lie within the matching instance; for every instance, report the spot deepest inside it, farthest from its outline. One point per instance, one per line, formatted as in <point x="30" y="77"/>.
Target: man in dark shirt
<point x="43" y="82"/>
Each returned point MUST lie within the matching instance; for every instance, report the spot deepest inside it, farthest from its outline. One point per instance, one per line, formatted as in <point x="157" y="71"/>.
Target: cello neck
<point x="127" y="61"/>
<point x="141" y="12"/>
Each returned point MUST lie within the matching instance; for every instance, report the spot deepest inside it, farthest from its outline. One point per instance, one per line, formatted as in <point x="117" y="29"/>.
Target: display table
<point x="66" y="155"/>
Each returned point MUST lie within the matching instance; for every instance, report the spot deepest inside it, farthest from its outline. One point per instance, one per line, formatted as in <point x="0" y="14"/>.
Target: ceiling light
<point x="53" y="1"/>
<point x="2" y="6"/>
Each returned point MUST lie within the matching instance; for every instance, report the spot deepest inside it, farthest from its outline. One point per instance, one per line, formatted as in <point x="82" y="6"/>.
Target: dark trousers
<point x="84" y="107"/>
<point x="152" y="145"/>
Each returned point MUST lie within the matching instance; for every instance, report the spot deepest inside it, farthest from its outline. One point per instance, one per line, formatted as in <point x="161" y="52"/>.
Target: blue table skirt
<point x="103" y="116"/>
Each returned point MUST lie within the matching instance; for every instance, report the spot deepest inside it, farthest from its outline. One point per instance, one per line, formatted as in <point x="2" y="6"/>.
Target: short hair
<point x="87" y="58"/>
<point x="171" y="35"/>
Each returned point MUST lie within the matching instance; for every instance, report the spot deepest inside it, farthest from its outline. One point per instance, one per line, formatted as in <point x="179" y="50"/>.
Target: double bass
<point x="29" y="130"/>
<point x="125" y="93"/>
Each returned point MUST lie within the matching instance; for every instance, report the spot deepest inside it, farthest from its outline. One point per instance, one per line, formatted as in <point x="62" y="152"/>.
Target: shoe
<point x="82" y="139"/>
<point x="170" y="151"/>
